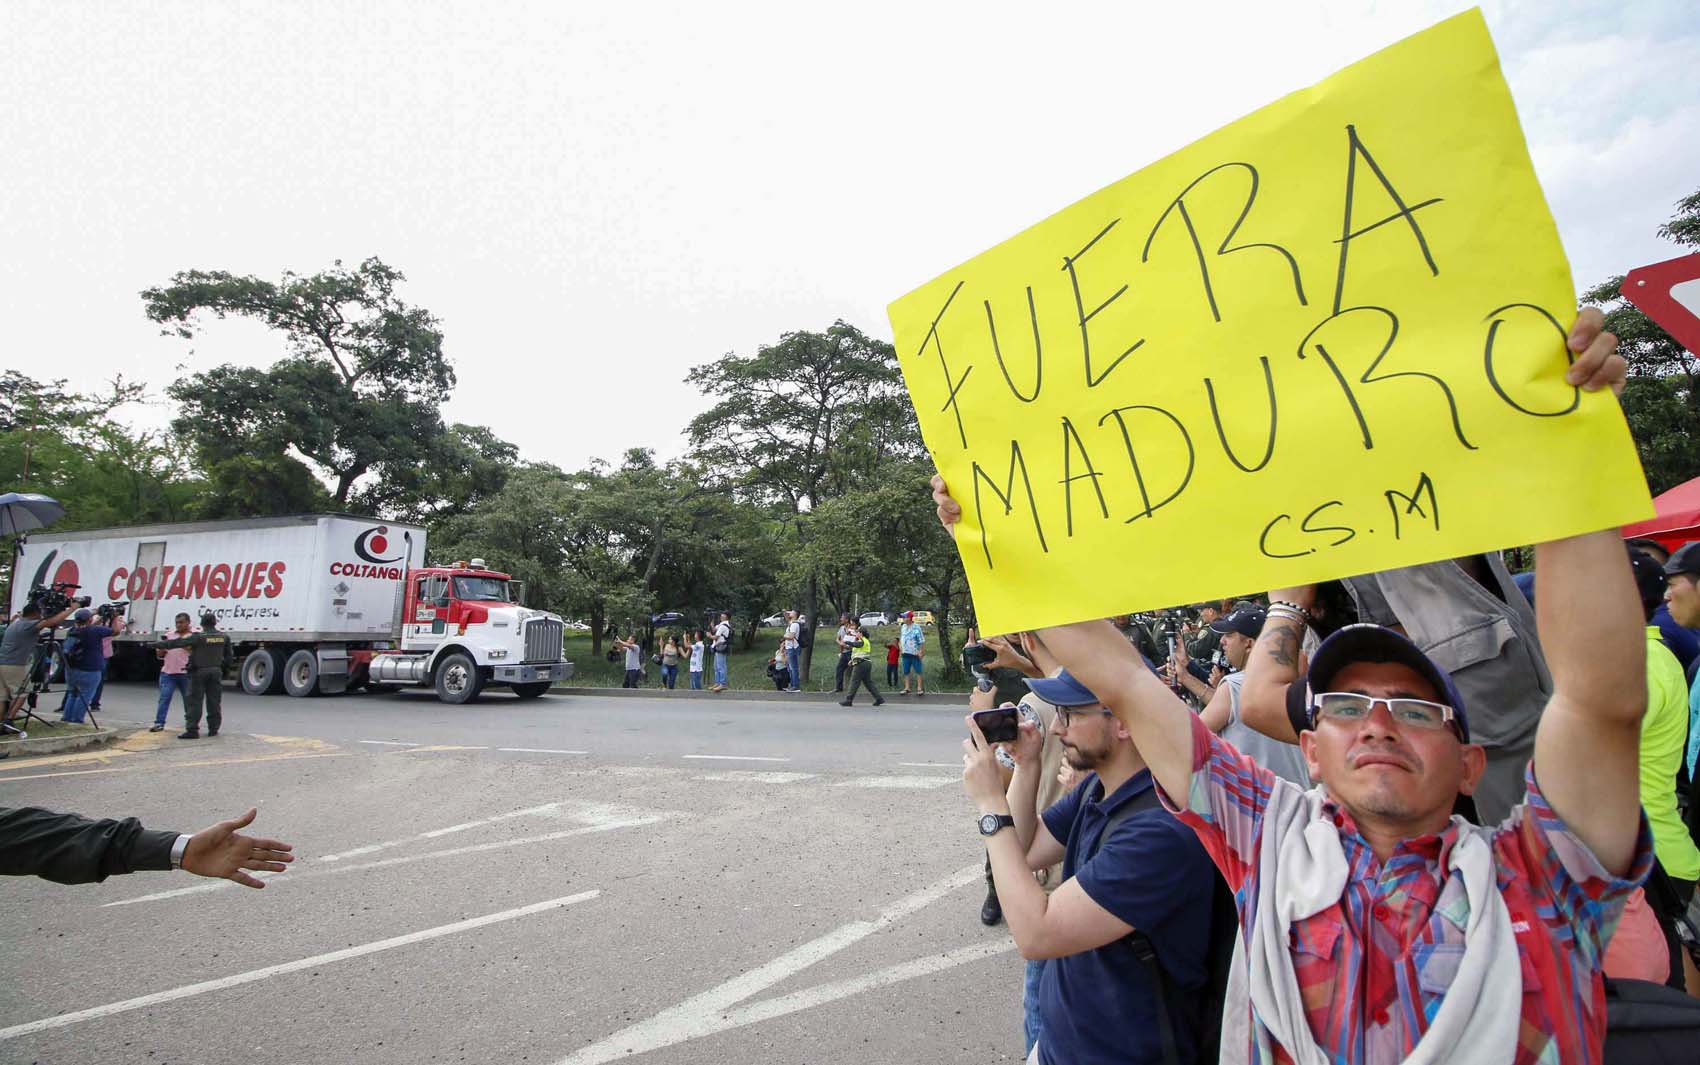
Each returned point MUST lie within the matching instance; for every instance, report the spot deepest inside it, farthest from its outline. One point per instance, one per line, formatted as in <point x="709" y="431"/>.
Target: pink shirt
<point x="176" y="660"/>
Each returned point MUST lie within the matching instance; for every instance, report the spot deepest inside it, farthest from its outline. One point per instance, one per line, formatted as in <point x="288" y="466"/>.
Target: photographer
<point x="112" y="616"/>
<point x="85" y="664"/>
<point x="17" y="648"/>
<point x="1127" y="865"/>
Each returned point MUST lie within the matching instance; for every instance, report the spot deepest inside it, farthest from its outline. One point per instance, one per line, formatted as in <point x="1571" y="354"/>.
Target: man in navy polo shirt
<point x="1127" y="865"/>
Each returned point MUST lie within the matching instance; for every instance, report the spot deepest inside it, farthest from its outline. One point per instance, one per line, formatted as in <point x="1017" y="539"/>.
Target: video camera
<point x="111" y="611"/>
<point x="1169" y="624"/>
<point x="53" y="598"/>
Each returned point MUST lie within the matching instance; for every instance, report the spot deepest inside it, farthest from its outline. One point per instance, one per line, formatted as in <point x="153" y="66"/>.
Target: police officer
<point x="208" y="650"/>
<point x="859" y="648"/>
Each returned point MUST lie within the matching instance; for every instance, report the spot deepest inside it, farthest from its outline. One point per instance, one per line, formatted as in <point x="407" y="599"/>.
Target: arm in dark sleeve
<point x="71" y="849"/>
<point x="183" y="641"/>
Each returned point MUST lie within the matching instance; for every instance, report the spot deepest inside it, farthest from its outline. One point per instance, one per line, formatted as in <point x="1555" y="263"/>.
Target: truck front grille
<point x="543" y="640"/>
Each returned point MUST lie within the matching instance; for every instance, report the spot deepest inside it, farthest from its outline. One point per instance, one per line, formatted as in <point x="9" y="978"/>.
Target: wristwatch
<point x="992" y="824"/>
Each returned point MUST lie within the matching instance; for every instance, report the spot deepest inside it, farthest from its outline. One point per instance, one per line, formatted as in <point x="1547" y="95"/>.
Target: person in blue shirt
<point x="1127" y="865"/>
<point x="84" y="666"/>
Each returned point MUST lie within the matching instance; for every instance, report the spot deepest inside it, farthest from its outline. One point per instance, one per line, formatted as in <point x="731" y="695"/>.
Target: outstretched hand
<point x="222" y="852"/>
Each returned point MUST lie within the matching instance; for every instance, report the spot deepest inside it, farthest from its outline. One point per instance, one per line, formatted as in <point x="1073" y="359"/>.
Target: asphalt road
<point x="574" y="879"/>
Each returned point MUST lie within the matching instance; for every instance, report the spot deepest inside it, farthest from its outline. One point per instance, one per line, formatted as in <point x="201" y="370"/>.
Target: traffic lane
<point x="808" y="734"/>
<point x="701" y="929"/>
<point x="705" y="898"/>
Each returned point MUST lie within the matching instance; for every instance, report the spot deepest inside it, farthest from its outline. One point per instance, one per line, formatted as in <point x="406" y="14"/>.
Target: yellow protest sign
<point x="1326" y="339"/>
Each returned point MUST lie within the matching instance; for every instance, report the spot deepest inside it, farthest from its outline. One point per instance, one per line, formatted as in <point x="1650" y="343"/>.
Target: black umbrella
<point x="22" y="511"/>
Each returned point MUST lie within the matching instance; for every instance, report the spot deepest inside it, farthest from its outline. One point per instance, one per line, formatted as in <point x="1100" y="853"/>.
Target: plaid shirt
<point x="1373" y="968"/>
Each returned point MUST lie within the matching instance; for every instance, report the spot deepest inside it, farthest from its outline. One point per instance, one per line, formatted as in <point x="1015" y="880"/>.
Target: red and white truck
<point x="314" y="603"/>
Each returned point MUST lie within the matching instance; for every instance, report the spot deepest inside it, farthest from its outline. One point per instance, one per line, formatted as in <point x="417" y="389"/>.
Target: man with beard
<point x="1129" y="870"/>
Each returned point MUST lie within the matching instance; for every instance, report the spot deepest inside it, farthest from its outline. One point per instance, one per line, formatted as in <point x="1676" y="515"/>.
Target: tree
<point x="69" y="445"/>
<point x="1661" y="414"/>
<point x="885" y="535"/>
<point x="359" y="393"/>
<point x="459" y="469"/>
<point x="1662" y="399"/>
<point x="802" y="422"/>
<point x="524" y="529"/>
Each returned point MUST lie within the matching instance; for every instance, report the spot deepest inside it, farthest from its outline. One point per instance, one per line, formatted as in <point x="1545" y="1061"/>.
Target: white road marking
<point x="373" y="848"/>
<point x="387" y="743"/>
<point x="527" y="812"/>
<point x="735" y="758"/>
<point x="821" y="994"/>
<point x="239" y="979"/>
<point x="537" y="750"/>
<point x="754" y="776"/>
<point x="895" y="782"/>
<point x="600" y="823"/>
<point x="707" y="1013"/>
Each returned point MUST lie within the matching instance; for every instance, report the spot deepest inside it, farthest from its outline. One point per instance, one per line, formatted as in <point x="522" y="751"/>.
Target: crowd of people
<point x="1414" y="815"/>
<point x="904" y="649"/>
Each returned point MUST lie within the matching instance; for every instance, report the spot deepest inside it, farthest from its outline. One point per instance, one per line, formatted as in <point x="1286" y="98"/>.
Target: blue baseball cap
<point x="1373" y="643"/>
<point x="1063" y="690"/>
<point x="1245" y="620"/>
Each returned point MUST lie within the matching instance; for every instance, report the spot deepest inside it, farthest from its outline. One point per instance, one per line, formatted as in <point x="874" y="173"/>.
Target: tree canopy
<point x="358" y="396"/>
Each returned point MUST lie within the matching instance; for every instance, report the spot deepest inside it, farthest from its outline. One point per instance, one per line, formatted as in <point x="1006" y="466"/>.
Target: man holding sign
<point x="1329" y="339"/>
<point x="1374" y="925"/>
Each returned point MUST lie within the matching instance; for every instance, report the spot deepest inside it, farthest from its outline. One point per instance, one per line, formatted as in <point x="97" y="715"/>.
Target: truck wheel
<point x="262" y="672"/>
<point x="301" y="674"/>
<point x="458" y="680"/>
<point x="533" y="690"/>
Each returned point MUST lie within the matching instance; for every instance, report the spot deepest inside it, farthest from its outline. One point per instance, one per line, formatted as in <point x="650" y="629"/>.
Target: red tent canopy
<point x="1677" y="520"/>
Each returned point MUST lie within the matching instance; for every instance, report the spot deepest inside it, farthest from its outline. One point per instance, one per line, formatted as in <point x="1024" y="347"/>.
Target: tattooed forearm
<point x="1280" y="640"/>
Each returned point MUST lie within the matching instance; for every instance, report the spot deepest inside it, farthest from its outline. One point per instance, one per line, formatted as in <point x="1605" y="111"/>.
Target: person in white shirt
<point x="794" y="648"/>
<point x="696" y="660"/>
<point x="722" y="647"/>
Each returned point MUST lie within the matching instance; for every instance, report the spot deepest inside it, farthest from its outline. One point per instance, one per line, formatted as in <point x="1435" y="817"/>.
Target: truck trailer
<point x="314" y="604"/>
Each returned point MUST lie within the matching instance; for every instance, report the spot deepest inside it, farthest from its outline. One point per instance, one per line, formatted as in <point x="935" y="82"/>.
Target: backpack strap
<point x="1143" y="949"/>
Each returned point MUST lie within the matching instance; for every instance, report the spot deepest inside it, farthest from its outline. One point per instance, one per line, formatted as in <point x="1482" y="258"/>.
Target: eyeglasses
<point x="1352" y="707"/>
<point x="1064" y="713"/>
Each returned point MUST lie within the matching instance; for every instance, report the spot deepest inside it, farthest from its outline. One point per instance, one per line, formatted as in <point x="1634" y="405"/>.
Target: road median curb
<point x="38" y="745"/>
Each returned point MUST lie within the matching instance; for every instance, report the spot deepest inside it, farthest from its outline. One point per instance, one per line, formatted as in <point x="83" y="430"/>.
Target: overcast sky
<point x="594" y="199"/>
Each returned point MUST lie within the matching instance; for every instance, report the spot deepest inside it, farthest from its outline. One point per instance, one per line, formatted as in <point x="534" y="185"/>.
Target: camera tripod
<point x="47" y="660"/>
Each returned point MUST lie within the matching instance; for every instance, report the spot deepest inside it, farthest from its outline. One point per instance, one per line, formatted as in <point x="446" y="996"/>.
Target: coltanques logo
<point x="373" y="545"/>
<point x="67" y="573"/>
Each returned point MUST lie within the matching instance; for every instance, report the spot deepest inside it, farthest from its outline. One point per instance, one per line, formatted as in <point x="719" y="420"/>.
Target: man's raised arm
<point x="1096" y="655"/>
<point x="1588" y="743"/>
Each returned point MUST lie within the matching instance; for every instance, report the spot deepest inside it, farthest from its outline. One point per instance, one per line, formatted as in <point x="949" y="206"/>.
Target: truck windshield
<point x="481" y="588"/>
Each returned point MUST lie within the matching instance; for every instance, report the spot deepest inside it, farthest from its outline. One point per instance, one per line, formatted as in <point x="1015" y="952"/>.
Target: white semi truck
<point x="314" y="603"/>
